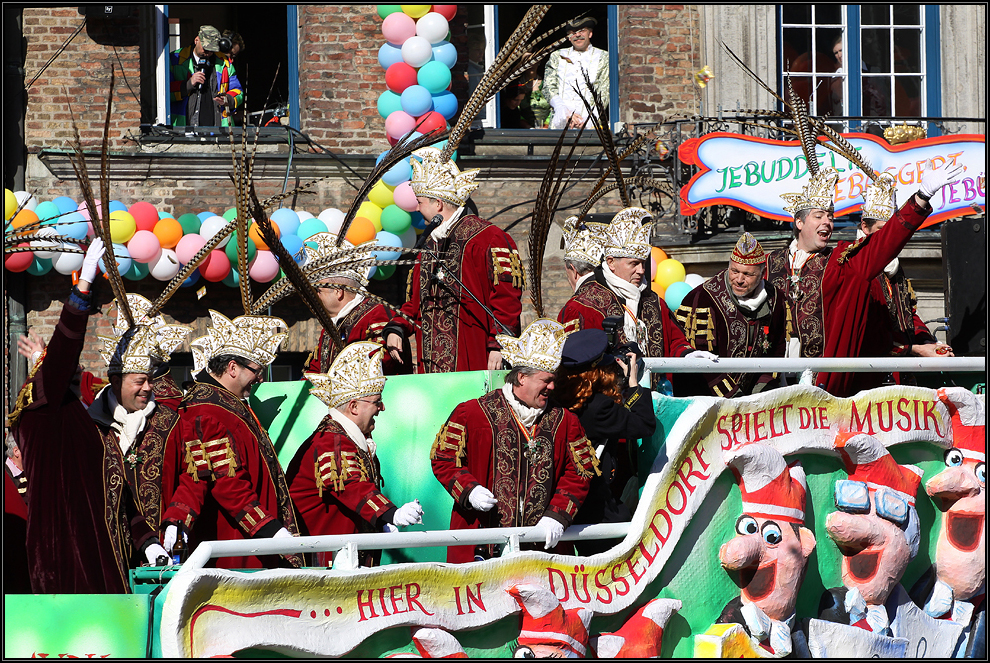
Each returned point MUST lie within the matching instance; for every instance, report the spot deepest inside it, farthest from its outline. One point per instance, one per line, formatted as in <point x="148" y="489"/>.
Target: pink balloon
<point x="188" y="247"/>
<point x="398" y="27"/>
<point x="216" y="267"/>
<point x="399" y="123"/>
<point x="144" y="246"/>
<point x="405" y="197"/>
<point x="264" y="267"/>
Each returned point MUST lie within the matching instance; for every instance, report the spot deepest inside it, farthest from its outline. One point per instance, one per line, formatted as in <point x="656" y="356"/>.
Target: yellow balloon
<point x="415" y="10"/>
<point x="381" y="195"/>
<point x="372" y="212"/>
<point x="122" y="226"/>
<point x="669" y="271"/>
<point x="9" y="204"/>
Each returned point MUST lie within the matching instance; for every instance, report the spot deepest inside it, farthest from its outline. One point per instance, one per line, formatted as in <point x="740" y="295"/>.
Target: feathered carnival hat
<point x="627" y="236"/>
<point x="325" y="261"/>
<point x="253" y="337"/>
<point x="355" y="373"/>
<point x="141" y="348"/>
<point x="436" y="177"/>
<point x="818" y="193"/>
<point x="748" y="251"/>
<point x="770" y="487"/>
<point x="880" y="198"/>
<point x="539" y="346"/>
<point x="584" y="243"/>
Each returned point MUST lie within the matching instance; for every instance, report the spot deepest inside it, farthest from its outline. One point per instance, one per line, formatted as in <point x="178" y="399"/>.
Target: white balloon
<point x="417" y="51"/>
<point x="408" y="238"/>
<point x="694" y="280"/>
<point x="303" y="215"/>
<point x="432" y="27"/>
<point x="166" y="266"/>
<point x="46" y="231"/>
<point x="333" y="218"/>
<point x="211" y="227"/>
<point x="66" y="263"/>
<point x="32" y="201"/>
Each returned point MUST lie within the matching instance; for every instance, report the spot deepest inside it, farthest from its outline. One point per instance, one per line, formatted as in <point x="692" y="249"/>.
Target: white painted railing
<point x="831" y="365"/>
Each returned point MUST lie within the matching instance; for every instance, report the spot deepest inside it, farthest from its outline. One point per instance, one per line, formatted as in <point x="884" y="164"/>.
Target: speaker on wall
<point x="964" y="255"/>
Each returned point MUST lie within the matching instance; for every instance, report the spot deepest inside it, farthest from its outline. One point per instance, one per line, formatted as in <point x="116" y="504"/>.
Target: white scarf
<point x="582" y="279"/>
<point x="366" y="444"/>
<point x="107" y="411"/>
<point x="892" y="266"/>
<point x="761" y="627"/>
<point x="756" y="300"/>
<point x="633" y="328"/>
<point x="445" y="227"/>
<point x="527" y="415"/>
<point x="876" y="615"/>
<point x="348" y="307"/>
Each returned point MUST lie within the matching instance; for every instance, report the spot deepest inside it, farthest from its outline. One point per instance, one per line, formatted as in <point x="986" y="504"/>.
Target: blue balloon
<point x="191" y="279"/>
<point x="389" y="54"/>
<point x="287" y="221"/>
<point x="445" y="53"/>
<point x="434" y="76"/>
<point x="47" y="211"/>
<point x="445" y="103"/>
<point x="203" y="216"/>
<point x="675" y="293"/>
<point x="293" y="244"/>
<point x="381" y="156"/>
<point x="397" y="174"/>
<point x="310" y="227"/>
<point x="65" y="204"/>
<point x="385" y="238"/>
<point x="123" y="259"/>
<point x="117" y="206"/>
<point x="388" y="103"/>
<point x="72" y="225"/>
<point x="416" y="100"/>
<point x="165" y="215"/>
<point x="418" y="221"/>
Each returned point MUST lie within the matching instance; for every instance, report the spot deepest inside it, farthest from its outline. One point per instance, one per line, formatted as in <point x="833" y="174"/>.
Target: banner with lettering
<point x="688" y="507"/>
<point x="751" y="173"/>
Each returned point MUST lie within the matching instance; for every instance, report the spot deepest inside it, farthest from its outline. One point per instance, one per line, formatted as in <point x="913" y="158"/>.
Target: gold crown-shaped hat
<point x="323" y="261"/>
<point x="626" y="236"/>
<point x="253" y="337"/>
<point x="818" y="193"/>
<point x="436" y="178"/>
<point x="539" y="346"/>
<point x="748" y="251"/>
<point x="585" y="244"/>
<point x="880" y="198"/>
<point x="140" y="349"/>
<point x="356" y="372"/>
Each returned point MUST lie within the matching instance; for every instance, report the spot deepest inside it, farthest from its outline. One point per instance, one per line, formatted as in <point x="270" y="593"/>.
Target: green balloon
<point x="137" y="271"/>
<point x="383" y="272"/>
<point x="190" y="224"/>
<point x="395" y="219"/>
<point x="385" y="10"/>
<point x="231" y="249"/>
<point x="232" y="279"/>
<point x="230" y="214"/>
<point x="40" y="266"/>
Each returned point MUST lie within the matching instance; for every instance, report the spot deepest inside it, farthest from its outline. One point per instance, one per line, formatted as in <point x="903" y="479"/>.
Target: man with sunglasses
<point x="233" y="486"/>
<point x="566" y="71"/>
<point x="204" y="88"/>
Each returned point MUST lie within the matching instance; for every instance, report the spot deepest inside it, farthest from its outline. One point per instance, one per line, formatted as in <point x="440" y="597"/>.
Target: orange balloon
<point x="658" y="254"/>
<point x="254" y="233"/>
<point x="168" y="231"/>
<point x="362" y="230"/>
<point x="657" y="289"/>
<point x="23" y="218"/>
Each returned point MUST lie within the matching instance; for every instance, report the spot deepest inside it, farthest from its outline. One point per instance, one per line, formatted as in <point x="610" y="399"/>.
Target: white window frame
<point x="892" y="75"/>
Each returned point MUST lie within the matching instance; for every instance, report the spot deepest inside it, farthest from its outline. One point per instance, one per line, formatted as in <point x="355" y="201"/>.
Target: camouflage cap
<point x="209" y="38"/>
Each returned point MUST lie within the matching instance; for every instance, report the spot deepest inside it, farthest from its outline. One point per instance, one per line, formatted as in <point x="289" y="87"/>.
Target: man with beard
<point x="509" y="459"/>
<point x="955" y="587"/>
<point x="877" y="531"/>
<point x="829" y="289"/>
<point x="771" y="550"/>
<point x="736" y="313"/>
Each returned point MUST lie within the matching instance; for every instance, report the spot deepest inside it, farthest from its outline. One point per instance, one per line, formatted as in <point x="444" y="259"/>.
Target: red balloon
<point x="18" y="262"/>
<point x="447" y="11"/>
<point x="145" y="215"/>
<point x="400" y="76"/>
<point x="430" y="121"/>
<point x="215" y="267"/>
<point x="391" y="141"/>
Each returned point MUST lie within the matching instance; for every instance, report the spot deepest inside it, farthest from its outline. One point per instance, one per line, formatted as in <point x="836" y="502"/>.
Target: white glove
<point x="91" y="262"/>
<point x="171" y="535"/>
<point x="551" y="529"/>
<point x="153" y="552"/>
<point x="410" y="513"/>
<point x="282" y="533"/>
<point x="481" y="499"/>
<point x="933" y="180"/>
<point x="390" y="528"/>
<point x="807" y="377"/>
<point x="702" y="354"/>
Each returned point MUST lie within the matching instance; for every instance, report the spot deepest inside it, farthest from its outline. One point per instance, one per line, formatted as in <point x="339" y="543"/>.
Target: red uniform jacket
<point x="232" y="486"/>
<point x="336" y="485"/>
<point x="455" y="333"/>
<point x="83" y="526"/>
<point x="831" y="301"/>
<point x="482" y="443"/>
<point x="365" y="322"/>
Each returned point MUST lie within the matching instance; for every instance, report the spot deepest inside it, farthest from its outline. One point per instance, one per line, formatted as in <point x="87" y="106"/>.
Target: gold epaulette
<point x="451" y="438"/>
<point x="334" y="470"/>
<point x="25" y="397"/>
<point x="789" y="322"/>
<point x="852" y="249"/>
<point x="585" y="459"/>
<point x="506" y="261"/>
